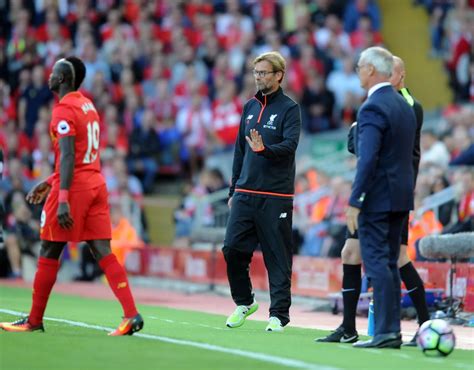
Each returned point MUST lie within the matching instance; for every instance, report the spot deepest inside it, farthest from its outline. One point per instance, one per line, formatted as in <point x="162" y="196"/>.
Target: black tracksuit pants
<point x="256" y="220"/>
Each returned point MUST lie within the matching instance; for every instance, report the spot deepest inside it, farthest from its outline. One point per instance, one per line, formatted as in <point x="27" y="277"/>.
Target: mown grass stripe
<point x="297" y="364"/>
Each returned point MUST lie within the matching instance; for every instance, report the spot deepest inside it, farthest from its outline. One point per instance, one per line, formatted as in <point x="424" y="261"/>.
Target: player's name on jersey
<point x="86" y="107"/>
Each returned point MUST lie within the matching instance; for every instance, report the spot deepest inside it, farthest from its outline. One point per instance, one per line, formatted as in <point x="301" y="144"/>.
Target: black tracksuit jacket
<point x="271" y="172"/>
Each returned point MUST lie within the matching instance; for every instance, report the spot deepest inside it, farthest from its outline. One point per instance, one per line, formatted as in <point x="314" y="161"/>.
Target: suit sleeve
<point x="239" y="152"/>
<point x="291" y="135"/>
<point x="352" y="139"/>
<point x="371" y="126"/>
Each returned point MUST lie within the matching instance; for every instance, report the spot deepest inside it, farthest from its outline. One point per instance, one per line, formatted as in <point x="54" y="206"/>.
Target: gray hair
<point x="380" y="58"/>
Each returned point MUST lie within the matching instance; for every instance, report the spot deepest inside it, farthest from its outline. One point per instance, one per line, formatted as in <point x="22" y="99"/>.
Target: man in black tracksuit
<point x="261" y="194"/>
<point x="351" y="258"/>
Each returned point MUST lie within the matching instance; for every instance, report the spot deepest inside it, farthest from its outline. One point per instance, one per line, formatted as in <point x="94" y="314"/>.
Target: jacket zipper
<point x="263" y="107"/>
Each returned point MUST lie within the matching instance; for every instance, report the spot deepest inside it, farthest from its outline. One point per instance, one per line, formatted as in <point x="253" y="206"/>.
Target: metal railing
<point x="436" y="200"/>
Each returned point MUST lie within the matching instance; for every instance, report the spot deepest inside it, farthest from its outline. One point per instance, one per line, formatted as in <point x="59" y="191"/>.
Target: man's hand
<point x="64" y="216"/>
<point x="38" y="194"/>
<point x="255" y="141"/>
<point x="229" y="203"/>
<point x="352" y="214"/>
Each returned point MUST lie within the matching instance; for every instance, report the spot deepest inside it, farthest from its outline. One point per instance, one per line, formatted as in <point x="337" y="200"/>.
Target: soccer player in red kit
<point x="76" y="207"/>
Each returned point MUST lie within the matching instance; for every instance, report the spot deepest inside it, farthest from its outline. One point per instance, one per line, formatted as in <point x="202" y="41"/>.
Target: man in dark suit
<point x="351" y="256"/>
<point x="382" y="192"/>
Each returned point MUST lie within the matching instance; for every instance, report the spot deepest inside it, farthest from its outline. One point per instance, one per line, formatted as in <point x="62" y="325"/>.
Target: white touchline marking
<point x="402" y="355"/>
<point x="435" y="360"/>
<point x="373" y="351"/>
<point x="211" y="347"/>
<point x="212" y="327"/>
<point x="184" y="323"/>
<point x="342" y="346"/>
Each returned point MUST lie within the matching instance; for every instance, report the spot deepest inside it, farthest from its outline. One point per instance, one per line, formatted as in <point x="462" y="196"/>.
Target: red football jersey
<point x="75" y="115"/>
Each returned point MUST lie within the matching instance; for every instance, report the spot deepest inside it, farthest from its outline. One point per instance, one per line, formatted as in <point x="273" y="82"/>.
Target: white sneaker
<point x="274" y="324"/>
<point x="240" y="314"/>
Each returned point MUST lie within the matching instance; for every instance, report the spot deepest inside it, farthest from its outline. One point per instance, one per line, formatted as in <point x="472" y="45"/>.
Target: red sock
<point x="118" y="281"/>
<point x="44" y="281"/>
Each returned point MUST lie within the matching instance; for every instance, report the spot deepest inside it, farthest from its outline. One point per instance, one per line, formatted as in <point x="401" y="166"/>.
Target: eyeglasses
<point x="262" y="73"/>
<point x="358" y="68"/>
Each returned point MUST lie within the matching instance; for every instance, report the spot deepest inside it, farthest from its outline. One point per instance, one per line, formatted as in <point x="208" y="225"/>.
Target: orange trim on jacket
<point x="263" y="107"/>
<point x="264" y="193"/>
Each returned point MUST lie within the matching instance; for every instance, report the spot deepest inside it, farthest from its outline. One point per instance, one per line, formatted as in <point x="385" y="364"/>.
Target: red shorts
<point x="89" y="210"/>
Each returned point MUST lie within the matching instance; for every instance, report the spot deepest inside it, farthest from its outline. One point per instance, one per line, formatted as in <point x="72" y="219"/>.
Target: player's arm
<point x="66" y="170"/>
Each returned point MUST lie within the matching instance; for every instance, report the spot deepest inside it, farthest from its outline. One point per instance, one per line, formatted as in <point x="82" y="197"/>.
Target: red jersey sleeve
<point x="62" y="122"/>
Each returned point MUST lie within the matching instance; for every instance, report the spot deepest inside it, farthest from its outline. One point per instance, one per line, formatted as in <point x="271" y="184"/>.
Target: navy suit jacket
<point x="386" y="129"/>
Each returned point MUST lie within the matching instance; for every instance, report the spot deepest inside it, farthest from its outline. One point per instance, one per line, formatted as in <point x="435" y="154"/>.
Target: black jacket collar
<point x="260" y="97"/>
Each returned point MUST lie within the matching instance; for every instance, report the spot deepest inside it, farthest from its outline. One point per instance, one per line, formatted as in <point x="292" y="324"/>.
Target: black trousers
<point x="266" y="222"/>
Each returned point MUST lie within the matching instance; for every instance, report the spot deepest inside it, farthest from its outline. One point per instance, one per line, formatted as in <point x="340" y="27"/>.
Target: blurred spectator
<point x="93" y="62"/>
<point x="21" y="234"/>
<point x="184" y="215"/>
<point x="364" y="35"/>
<point x="317" y="104"/>
<point x="333" y="33"/>
<point x="193" y="122"/>
<point x="15" y="143"/>
<point x="124" y="236"/>
<point x="345" y="82"/>
<point x="445" y="210"/>
<point x="160" y="102"/>
<point x="42" y="155"/>
<point x="36" y="95"/>
<point x="328" y="216"/>
<point x="466" y="204"/>
<point x="433" y="151"/>
<point x="465" y="158"/>
<point x="226" y="114"/>
<point x="358" y="8"/>
<point x="418" y="227"/>
<point x="16" y="177"/>
<point x="143" y="151"/>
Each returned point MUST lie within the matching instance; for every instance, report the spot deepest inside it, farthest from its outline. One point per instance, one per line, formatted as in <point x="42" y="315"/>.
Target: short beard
<point x="265" y="90"/>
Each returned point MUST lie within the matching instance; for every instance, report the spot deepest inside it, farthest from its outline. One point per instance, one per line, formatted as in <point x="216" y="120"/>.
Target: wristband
<point x="63" y="196"/>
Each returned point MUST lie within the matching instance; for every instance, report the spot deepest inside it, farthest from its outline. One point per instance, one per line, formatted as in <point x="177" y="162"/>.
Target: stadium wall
<point x="312" y="277"/>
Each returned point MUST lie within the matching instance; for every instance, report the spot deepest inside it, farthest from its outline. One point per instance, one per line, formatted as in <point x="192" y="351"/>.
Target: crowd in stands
<point x="169" y="80"/>
<point x="319" y="215"/>
<point x="452" y="30"/>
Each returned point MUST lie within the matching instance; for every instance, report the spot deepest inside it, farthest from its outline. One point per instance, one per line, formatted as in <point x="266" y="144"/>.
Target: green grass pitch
<point x="176" y="339"/>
